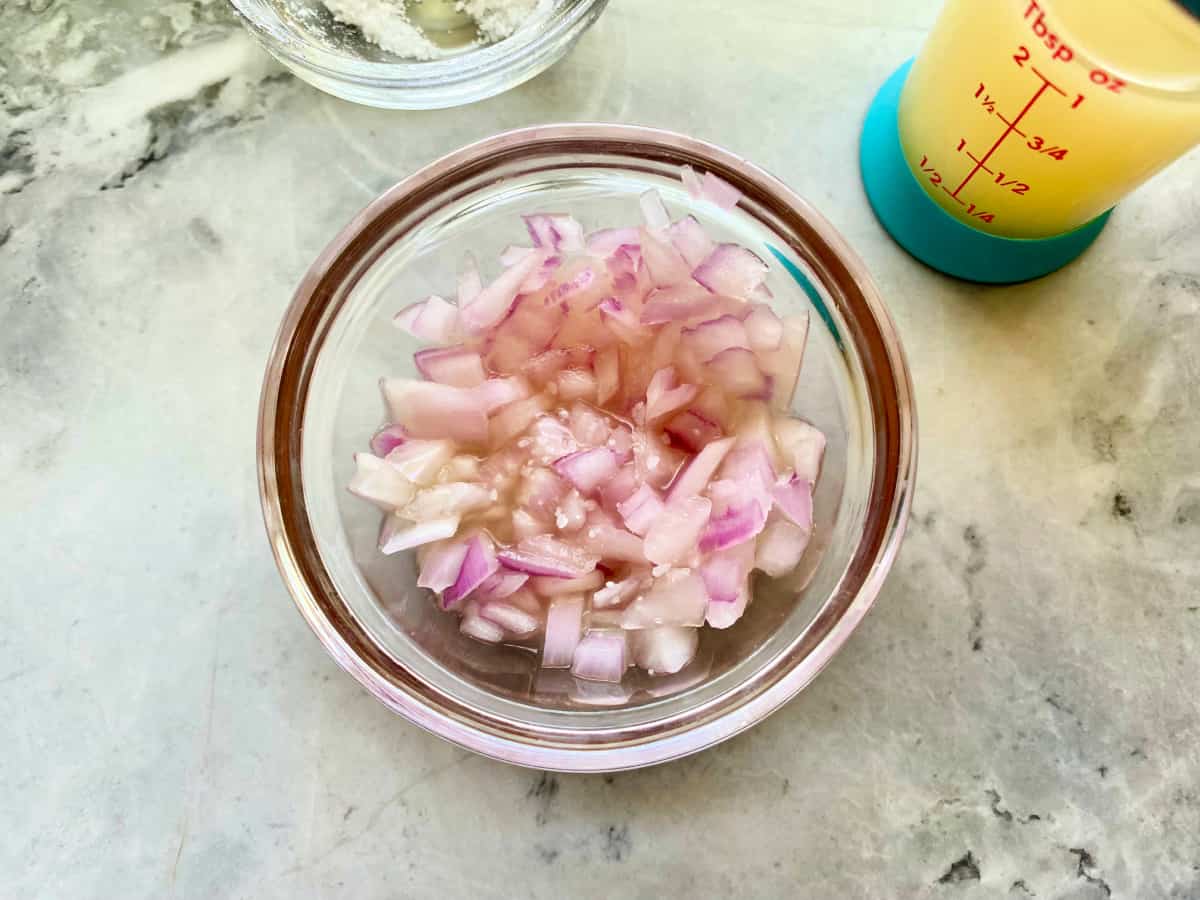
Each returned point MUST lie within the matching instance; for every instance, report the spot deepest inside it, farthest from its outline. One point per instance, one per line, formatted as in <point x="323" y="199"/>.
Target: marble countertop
<point x="1017" y="717"/>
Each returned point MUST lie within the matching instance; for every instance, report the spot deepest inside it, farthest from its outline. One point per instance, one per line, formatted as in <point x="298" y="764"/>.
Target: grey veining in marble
<point x="1017" y="718"/>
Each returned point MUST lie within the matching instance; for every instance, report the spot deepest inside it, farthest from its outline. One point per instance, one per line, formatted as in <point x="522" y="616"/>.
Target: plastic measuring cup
<point x="997" y="154"/>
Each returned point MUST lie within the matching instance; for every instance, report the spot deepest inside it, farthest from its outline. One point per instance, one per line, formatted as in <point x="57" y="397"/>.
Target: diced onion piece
<point x="783" y="365"/>
<point x="616" y="593"/>
<point x="663" y="262"/>
<point x="495" y="300"/>
<point x="470" y="282"/>
<point x="441" y="565"/>
<point x="692" y="182"/>
<point x="733" y="271"/>
<point x="678" y="303"/>
<point x="750" y="463"/>
<point x="479" y="628"/>
<point x="441" y="501"/>
<point x="429" y="410"/>
<point x="421" y="461"/>
<point x="608" y="373"/>
<point x="619" y="487"/>
<point x="609" y="541"/>
<point x="545" y="555"/>
<point x="500" y="584"/>
<point x="621" y="320"/>
<point x="724" y="615"/>
<point x="695" y="478"/>
<point x="564" y="622"/>
<point x="527" y="601"/>
<point x="555" y="232"/>
<point x="599" y="693"/>
<point x="802" y="445"/>
<point x="664" y="394"/>
<point x="497" y="393"/>
<point x="574" y="384"/>
<point x="380" y="483"/>
<point x="664" y="650"/>
<point x="739" y="515"/>
<point x="551" y="440"/>
<point x="587" y="469"/>
<point x="557" y="587"/>
<point x="514" y="419"/>
<point x="512" y="619"/>
<point x="692" y="431"/>
<point x="640" y="509"/>
<point x="589" y="426"/>
<point x="763" y="328"/>
<point x="600" y="657"/>
<point x="478" y="565"/>
<point x="712" y="336"/>
<point x="780" y="547"/>
<point x="653" y="210"/>
<point x="571" y="513"/>
<point x="736" y="371"/>
<point x="387" y="439"/>
<point x="672" y="536"/>
<point x="604" y="243"/>
<point x="690" y="239"/>
<point x="433" y="319"/>
<point x="540" y="491"/>
<point x="676" y="598"/>
<point x="526" y="525"/>
<point x="455" y="366"/>
<point x="709" y="187"/>
<point x="398" y="534"/>
<point x="793" y="497"/>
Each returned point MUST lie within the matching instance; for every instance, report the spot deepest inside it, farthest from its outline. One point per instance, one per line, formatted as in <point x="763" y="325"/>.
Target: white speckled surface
<point x="1018" y="716"/>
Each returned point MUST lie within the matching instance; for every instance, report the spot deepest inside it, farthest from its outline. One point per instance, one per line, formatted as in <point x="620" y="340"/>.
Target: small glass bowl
<point x="334" y="57"/>
<point x="321" y="404"/>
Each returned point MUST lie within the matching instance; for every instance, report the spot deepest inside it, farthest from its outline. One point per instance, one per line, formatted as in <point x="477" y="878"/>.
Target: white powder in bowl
<point x="387" y="24"/>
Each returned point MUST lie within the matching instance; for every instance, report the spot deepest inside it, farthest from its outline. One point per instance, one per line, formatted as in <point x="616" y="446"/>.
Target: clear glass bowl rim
<point x="318" y="300"/>
<point x="478" y="64"/>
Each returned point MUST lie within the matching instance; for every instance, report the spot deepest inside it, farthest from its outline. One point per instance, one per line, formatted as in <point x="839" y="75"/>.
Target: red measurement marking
<point x="1007" y="131"/>
<point x="1006" y="122"/>
<point x="958" y="200"/>
<point x="1047" y="80"/>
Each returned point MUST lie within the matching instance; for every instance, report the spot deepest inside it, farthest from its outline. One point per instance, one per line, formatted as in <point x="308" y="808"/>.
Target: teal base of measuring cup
<point x="932" y="235"/>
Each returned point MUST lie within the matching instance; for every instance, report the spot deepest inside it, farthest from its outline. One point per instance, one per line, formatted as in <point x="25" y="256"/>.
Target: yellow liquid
<point x="1029" y="118"/>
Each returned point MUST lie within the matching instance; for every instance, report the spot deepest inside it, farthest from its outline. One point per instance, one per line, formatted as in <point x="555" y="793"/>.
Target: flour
<point x="387" y="23"/>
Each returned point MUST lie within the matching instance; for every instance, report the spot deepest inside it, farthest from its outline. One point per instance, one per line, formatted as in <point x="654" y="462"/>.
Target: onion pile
<point x="599" y="453"/>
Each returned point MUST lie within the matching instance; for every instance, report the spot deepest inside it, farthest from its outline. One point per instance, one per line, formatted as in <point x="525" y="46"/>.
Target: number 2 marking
<point x="1021" y="56"/>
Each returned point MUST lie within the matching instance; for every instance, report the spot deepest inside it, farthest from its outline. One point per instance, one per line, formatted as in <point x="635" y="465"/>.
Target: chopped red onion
<point x="783" y="365"/>
<point x="545" y="555"/>
<point x="676" y="598"/>
<point x="513" y="420"/>
<point x="713" y="336"/>
<point x="555" y="232"/>
<point x="500" y="392"/>
<point x="574" y="384"/>
<point x="654" y="211"/>
<point x="479" y="628"/>
<point x="617" y="593"/>
<point x="495" y="300"/>
<point x="500" y="584"/>
<point x="781" y="547"/>
<point x="802" y="445"/>
<point x="664" y="263"/>
<point x="725" y="572"/>
<point x="564" y="621"/>
<point x="478" y="565"/>
<point x="607" y="540"/>
<point x="732" y="271"/>
<point x="692" y="182"/>
<point x="558" y="587"/>
<point x="470" y="282"/>
<point x="388" y="439"/>
<point x="429" y="410"/>
<point x="608" y="374"/>
<point x="380" y="483"/>
<point x="736" y="370"/>
<point x="676" y="304"/>
<point x="640" y="509"/>
<point x="690" y="239"/>
<point x="441" y="565"/>
<point x="551" y="440"/>
<point x="695" y="478"/>
<point x="421" y="461"/>
<point x="763" y="328"/>
<point x="587" y="469"/>
<point x="722" y="614"/>
<point x="590" y="427"/>
<point x="604" y="243"/>
<point x="618" y="488"/>
<point x="692" y="431"/>
<point x="455" y="366"/>
<point x="665" y="395"/>
<point x="739" y="516"/>
<point x="398" y="534"/>
<point x="709" y="187"/>
<point x="621" y="320"/>
<point x="540" y="491"/>
<point x="433" y="319"/>
<point x="512" y="619"/>
<point x="442" y="501"/>
<point x="673" y="534"/>
<point x="600" y="656"/>
<point x="526" y="525"/>
<point x="664" y="650"/>
<point x="793" y="496"/>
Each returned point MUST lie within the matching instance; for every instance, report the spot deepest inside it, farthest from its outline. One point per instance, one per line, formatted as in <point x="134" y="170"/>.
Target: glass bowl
<point x="334" y="57"/>
<point x="321" y="404"/>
